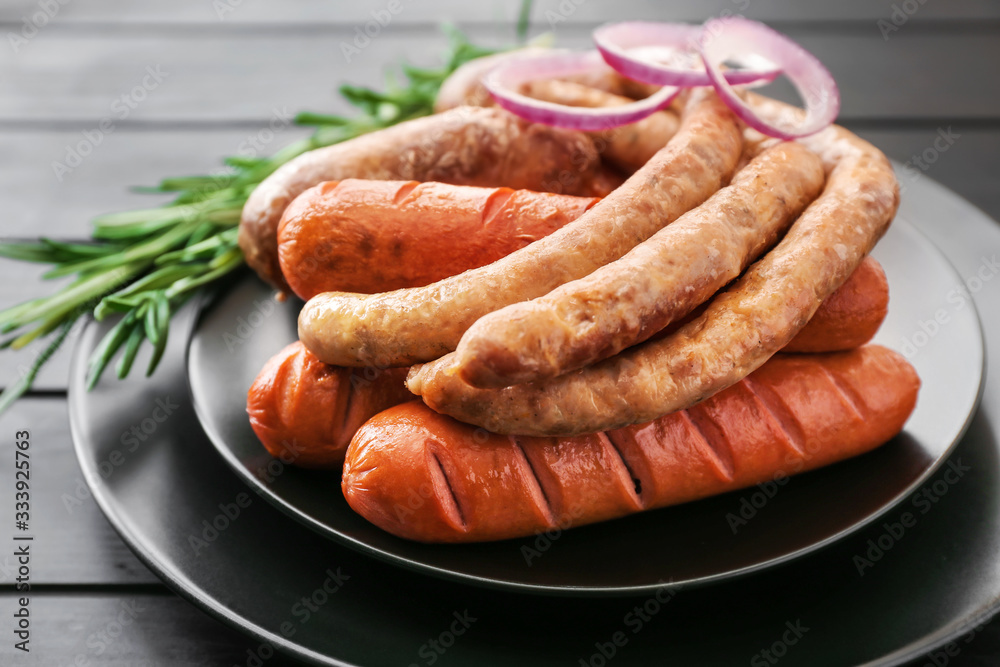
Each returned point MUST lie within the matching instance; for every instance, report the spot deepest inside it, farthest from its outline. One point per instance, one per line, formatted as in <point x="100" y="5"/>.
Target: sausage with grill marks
<point x="795" y="413"/>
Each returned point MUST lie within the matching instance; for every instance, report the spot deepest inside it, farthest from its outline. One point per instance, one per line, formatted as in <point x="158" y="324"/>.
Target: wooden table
<point x="177" y="85"/>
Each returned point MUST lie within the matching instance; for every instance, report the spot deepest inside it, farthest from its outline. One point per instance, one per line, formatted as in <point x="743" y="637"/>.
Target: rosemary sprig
<point x="143" y="265"/>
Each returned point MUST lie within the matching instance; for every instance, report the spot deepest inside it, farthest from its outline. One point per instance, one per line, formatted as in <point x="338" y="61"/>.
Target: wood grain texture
<point x="266" y="11"/>
<point x="74" y="543"/>
<point x="225" y="76"/>
<point x="158" y="631"/>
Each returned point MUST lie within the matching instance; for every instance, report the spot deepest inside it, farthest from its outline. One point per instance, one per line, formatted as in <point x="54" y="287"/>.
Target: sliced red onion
<point x="723" y="38"/>
<point x="504" y="80"/>
<point x="667" y="54"/>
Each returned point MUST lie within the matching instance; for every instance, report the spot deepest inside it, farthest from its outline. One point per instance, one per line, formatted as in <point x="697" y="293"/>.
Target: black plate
<point x="935" y="581"/>
<point x="695" y="543"/>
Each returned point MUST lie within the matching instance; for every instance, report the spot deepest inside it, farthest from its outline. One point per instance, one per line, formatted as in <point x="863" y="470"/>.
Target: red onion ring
<point x="504" y="80"/>
<point x="721" y="38"/>
<point x="622" y="44"/>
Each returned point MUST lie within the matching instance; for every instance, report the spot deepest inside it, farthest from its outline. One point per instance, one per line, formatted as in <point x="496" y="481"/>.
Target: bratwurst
<point x="739" y="330"/>
<point x="405" y="326"/>
<point x="464" y="146"/>
<point x="656" y="283"/>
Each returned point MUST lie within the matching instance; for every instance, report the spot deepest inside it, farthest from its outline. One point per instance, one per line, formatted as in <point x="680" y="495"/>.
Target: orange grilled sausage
<point x="795" y="413"/>
<point x="305" y="412"/>
<point x="374" y="236"/>
<point x="465" y="146"/>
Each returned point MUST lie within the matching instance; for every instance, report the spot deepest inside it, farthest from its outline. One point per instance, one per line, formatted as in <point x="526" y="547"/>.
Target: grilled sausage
<point x="374" y="236"/>
<point x="850" y="316"/>
<point x="465" y="146"/>
<point x="425" y="476"/>
<point x="305" y="412"/>
<point x="401" y="327"/>
<point x="739" y="330"/>
<point x="656" y="283"/>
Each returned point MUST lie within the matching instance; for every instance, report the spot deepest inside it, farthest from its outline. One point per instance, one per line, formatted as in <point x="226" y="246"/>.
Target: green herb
<point x="524" y="20"/>
<point x="144" y="265"/>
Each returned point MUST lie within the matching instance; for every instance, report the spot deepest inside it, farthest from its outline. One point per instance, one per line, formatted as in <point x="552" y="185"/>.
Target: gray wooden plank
<point x="130" y="630"/>
<point x="40" y="202"/>
<point x="207" y="75"/>
<point x="74" y="544"/>
<point x="263" y="11"/>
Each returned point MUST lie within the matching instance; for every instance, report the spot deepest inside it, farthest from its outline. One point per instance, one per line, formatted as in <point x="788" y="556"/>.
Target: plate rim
<point x="289" y="509"/>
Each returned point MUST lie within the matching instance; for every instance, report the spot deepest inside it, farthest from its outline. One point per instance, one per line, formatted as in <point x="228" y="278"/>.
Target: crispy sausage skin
<point x="658" y="282"/>
<point x="419" y="324"/>
<point x="850" y="316"/>
<point x="464" y="146"/>
<point x="306" y="412"/>
<point x="738" y="331"/>
<point x="795" y="413"/>
<point x="628" y="147"/>
<point x="374" y="236"/>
